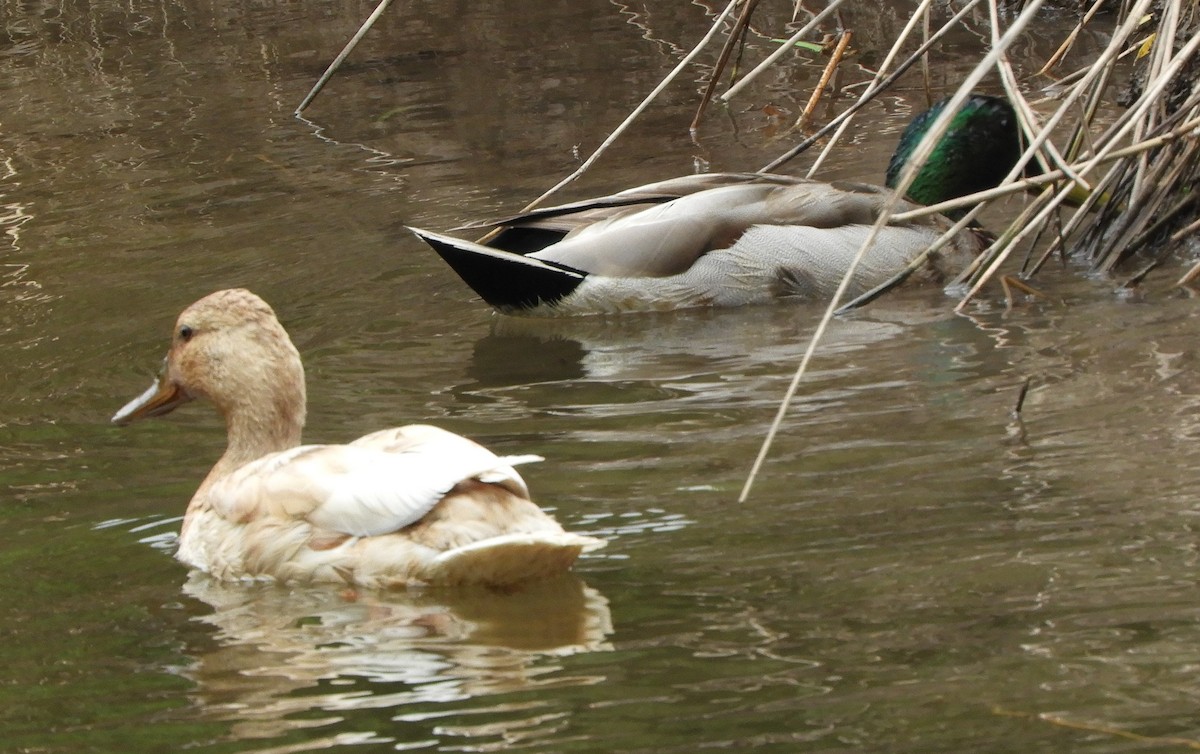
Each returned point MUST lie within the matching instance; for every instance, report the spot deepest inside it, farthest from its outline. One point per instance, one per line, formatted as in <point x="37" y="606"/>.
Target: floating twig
<point x="1062" y="722"/>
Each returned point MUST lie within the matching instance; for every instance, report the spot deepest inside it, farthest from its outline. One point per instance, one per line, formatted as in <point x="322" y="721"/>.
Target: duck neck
<point x="252" y="436"/>
<point x="258" y="425"/>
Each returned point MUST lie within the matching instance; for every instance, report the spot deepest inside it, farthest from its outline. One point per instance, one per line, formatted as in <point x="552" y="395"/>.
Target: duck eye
<point x="185" y="333"/>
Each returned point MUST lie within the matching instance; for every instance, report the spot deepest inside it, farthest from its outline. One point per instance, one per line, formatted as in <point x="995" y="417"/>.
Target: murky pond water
<point x="915" y="572"/>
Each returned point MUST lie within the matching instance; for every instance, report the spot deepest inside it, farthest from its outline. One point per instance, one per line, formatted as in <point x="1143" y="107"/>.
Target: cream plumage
<point x="399" y="507"/>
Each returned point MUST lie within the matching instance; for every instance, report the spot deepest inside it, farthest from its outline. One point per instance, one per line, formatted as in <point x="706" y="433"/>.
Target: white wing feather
<point x="435" y="441"/>
<point x="373" y="486"/>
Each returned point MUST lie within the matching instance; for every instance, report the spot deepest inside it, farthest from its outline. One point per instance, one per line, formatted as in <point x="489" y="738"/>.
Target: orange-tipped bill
<point x="163" y="397"/>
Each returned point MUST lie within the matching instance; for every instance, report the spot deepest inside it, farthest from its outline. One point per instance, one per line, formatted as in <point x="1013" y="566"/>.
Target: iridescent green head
<point x="980" y="146"/>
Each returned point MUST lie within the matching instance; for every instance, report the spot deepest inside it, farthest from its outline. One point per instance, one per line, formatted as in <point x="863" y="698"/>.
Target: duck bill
<point x="163" y="397"/>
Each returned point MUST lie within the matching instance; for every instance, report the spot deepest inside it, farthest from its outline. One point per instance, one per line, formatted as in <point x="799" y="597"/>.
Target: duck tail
<point x="510" y="282"/>
<point x="523" y="458"/>
<point x="511" y="559"/>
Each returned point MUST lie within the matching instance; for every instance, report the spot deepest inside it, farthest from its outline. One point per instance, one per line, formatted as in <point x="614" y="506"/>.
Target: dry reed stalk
<point x="873" y="91"/>
<point x="834" y="60"/>
<point x="1033" y="221"/>
<point x="1149" y="154"/>
<point x="1194" y="272"/>
<point x="612" y="137"/>
<point x="737" y="35"/>
<point x="1185" y="231"/>
<point x="1069" y="42"/>
<point x="783" y="49"/>
<point x="341" y="57"/>
<point x="1158" y="178"/>
<point x="1141" y="216"/>
<point x="1142" y="190"/>
<point x="1020" y="402"/>
<point x="919" y="156"/>
<point x="1142" y="172"/>
<point x="1151" y="157"/>
<point x="920" y="14"/>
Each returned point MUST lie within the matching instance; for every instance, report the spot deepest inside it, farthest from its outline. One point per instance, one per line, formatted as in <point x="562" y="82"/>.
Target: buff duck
<point x="731" y="239"/>
<point x="400" y="507"/>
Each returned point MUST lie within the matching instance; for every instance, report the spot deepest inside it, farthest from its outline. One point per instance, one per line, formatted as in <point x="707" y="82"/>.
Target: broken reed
<point x="1142" y="171"/>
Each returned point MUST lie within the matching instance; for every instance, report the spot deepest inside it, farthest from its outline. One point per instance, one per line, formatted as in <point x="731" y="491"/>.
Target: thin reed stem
<point x="341" y="57"/>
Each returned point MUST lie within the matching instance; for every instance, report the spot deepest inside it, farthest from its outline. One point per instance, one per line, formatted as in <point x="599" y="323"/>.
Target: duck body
<point x="724" y="240"/>
<point x="732" y="239"/>
<point x="406" y="506"/>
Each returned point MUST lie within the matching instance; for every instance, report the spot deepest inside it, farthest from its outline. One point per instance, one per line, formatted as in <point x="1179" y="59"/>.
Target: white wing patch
<point x="437" y="442"/>
<point x="378" y="484"/>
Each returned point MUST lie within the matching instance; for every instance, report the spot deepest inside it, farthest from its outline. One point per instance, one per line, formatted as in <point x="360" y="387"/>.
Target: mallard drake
<point x="400" y="507"/>
<point x="730" y="239"/>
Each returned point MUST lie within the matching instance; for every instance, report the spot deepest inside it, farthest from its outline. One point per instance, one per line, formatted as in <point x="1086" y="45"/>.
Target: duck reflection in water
<point x="517" y="351"/>
<point x="288" y="651"/>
